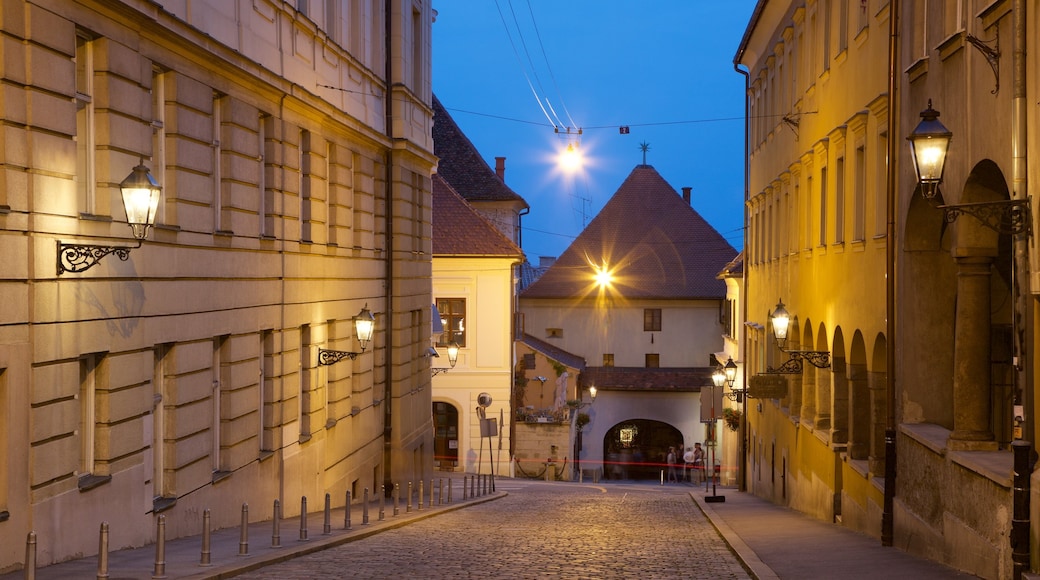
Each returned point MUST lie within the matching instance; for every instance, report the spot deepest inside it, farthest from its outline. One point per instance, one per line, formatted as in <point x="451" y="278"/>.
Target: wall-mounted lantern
<point x="140" y="194"/>
<point x="364" y="326"/>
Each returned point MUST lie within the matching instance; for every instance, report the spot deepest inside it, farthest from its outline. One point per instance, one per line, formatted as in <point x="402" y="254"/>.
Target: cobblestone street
<point x="539" y="531"/>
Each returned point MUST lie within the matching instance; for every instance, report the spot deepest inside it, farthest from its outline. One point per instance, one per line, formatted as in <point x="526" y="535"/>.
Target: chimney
<point x="500" y="168"/>
<point x="686" y="194"/>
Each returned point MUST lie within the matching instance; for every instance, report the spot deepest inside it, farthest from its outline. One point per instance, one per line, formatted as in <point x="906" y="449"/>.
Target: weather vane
<point x="644" y="146"/>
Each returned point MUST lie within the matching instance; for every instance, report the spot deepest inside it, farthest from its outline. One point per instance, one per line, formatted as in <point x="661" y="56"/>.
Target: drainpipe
<point x="744" y="291"/>
<point x="1020" y="524"/>
<point x="890" y="272"/>
<point x="388" y="375"/>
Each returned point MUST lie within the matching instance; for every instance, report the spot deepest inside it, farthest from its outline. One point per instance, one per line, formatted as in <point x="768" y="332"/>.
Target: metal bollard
<point x="420" y="494"/>
<point x="430" y="503"/>
<point x="465" y="487"/>
<point x="408" y="499"/>
<point x="382" y="506"/>
<point x="483" y="485"/>
<point x="364" y="509"/>
<point x="30" y="556"/>
<point x="303" y="519"/>
<point x="346" y="513"/>
<point x="449" y="490"/>
<point x="397" y="497"/>
<point x="243" y="533"/>
<point x="102" y="555"/>
<point x="440" y="491"/>
<point x="276" y="524"/>
<point x="326" y="528"/>
<point x="160" y="548"/>
<point x="204" y="559"/>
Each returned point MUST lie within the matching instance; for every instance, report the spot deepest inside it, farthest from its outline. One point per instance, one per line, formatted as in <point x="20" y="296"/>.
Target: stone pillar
<point x="823" y="379"/>
<point x="878" y="421"/>
<point x="808" y="384"/>
<point x="971" y="354"/>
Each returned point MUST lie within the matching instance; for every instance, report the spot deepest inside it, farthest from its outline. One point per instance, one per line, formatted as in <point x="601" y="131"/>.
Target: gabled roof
<point x="461" y="164"/>
<point x="674" y="379"/>
<point x="555" y="353"/>
<point x="652" y="241"/>
<point x="734" y="269"/>
<point x="458" y="230"/>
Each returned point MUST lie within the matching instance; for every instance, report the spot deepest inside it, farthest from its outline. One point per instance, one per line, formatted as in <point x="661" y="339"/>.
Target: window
<point x="163" y="492"/>
<point x="652" y="319"/>
<point x="94" y="460"/>
<point x="554" y="333"/>
<point x="219" y="219"/>
<point x="839" y="200"/>
<point x="267" y="148"/>
<point x="653" y="360"/>
<point x="608" y="359"/>
<point x="881" y="195"/>
<point x="221" y="373"/>
<point x="529" y="361"/>
<point x="823" y="206"/>
<point x="266" y="402"/>
<point x="333" y="26"/>
<point x="453" y="318"/>
<point x="85" y="154"/>
<point x="859" y="193"/>
<point x="305" y="188"/>
<point x="158" y="168"/>
<point x="305" y="398"/>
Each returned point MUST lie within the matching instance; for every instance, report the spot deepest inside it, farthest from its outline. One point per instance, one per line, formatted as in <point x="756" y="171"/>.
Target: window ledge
<point x="220" y="475"/>
<point x="161" y="504"/>
<point x="265" y="455"/>
<point x="90" y="481"/>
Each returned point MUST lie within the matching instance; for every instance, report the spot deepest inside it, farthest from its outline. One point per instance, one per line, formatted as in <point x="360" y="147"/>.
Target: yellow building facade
<point x="817" y="111"/>
<point x="912" y="319"/>
<point x="294" y="156"/>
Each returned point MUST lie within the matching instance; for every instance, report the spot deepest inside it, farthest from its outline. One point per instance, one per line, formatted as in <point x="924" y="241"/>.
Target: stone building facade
<point x="294" y="153"/>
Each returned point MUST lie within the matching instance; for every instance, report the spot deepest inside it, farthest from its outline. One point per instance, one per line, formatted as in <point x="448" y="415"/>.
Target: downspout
<point x="744" y="290"/>
<point x="1023" y="462"/>
<point x="388" y="376"/>
<point x="890" y="273"/>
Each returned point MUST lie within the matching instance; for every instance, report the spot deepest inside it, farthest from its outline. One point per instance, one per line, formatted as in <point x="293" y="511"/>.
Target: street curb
<point x="750" y="560"/>
<point x="284" y="554"/>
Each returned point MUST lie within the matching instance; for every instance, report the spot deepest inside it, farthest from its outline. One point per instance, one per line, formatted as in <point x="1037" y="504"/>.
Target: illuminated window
<point x="453" y="318"/>
<point x="653" y="360"/>
<point x="608" y="359"/>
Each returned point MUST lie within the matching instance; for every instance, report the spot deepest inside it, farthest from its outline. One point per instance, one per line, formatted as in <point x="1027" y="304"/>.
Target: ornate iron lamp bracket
<point x="329" y="357"/>
<point x="80" y="257"/>
<point x="820" y="359"/>
<point x="1010" y="216"/>
<point x="992" y="54"/>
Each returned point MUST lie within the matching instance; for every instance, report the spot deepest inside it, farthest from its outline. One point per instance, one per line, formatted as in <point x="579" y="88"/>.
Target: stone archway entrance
<point x="636" y="448"/>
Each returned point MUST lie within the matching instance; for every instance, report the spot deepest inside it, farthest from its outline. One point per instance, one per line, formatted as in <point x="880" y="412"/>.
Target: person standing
<point x="688" y="464"/>
<point x="670" y="460"/>
<point x="698" y="462"/>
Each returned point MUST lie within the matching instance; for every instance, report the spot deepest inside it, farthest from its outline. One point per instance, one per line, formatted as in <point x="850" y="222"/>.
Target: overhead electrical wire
<point x="521" y="63"/>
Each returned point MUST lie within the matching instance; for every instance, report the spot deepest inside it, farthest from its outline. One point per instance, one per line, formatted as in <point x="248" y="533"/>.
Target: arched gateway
<point x="636" y="448"/>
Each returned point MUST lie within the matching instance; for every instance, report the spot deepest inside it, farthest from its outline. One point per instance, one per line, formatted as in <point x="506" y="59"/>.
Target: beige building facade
<point x="921" y="316"/>
<point x="294" y="156"/>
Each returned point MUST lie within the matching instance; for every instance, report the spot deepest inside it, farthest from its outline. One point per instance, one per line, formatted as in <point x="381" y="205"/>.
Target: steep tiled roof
<point x="461" y="164"/>
<point x="654" y="243"/>
<point x="678" y="379"/>
<point x="557" y="354"/>
<point x="458" y="230"/>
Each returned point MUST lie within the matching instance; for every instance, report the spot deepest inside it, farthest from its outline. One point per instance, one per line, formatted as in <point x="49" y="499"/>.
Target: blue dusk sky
<point x="662" y="68"/>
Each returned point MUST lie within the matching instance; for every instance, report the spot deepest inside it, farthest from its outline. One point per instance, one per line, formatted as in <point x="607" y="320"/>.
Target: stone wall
<point x="534" y="446"/>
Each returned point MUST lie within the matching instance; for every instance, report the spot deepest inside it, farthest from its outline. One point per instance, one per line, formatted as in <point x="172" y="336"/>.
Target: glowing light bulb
<point x="570" y="158"/>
